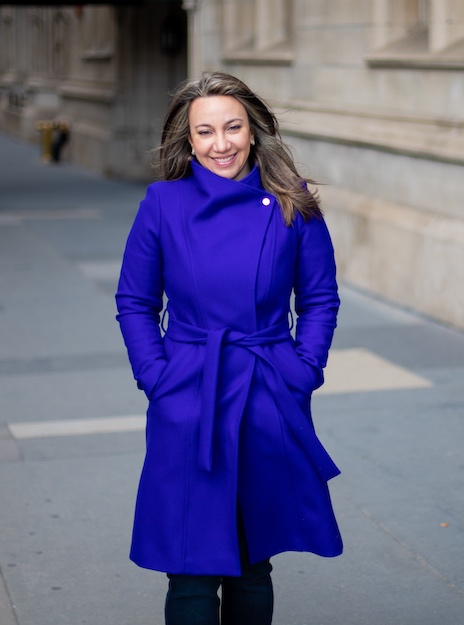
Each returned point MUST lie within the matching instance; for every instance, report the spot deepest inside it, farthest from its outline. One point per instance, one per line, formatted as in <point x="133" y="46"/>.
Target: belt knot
<point x="214" y="339"/>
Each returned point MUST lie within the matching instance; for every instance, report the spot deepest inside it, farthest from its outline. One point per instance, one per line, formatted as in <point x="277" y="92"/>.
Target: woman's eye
<point x="203" y="132"/>
<point x="234" y="128"/>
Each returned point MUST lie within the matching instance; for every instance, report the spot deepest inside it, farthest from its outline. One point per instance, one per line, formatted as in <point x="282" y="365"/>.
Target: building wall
<point x="370" y="94"/>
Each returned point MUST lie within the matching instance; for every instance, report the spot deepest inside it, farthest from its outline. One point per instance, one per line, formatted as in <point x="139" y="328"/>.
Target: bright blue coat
<point x="229" y="389"/>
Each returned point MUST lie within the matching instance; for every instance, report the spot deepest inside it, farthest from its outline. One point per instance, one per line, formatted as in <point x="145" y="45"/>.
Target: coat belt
<point x="288" y="406"/>
<point x="214" y="340"/>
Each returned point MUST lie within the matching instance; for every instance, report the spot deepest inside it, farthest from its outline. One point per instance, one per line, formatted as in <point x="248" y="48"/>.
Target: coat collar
<point x="205" y="177"/>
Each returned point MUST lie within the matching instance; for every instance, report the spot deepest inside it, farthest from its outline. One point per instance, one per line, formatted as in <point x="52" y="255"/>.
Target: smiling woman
<point x="220" y="136"/>
<point x="268" y="152"/>
<point x="234" y="472"/>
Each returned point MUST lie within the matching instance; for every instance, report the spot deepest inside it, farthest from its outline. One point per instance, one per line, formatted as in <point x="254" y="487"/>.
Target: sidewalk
<point x="71" y="433"/>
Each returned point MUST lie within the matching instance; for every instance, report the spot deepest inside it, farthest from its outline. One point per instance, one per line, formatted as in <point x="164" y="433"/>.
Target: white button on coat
<point x="266" y="201"/>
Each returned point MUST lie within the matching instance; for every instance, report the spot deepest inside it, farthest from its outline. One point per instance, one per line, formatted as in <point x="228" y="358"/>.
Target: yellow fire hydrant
<point x="45" y="127"/>
<point x="53" y="136"/>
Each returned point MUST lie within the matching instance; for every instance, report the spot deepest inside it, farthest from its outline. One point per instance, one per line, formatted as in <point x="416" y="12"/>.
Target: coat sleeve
<point x="139" y="297"/>
<point x="316" y="297"/>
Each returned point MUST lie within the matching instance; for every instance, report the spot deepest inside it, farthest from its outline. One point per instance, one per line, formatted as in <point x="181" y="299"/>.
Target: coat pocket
<point x="294" y="371"/>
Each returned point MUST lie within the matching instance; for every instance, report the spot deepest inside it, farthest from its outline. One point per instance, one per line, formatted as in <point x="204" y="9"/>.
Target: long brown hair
<point x="278" y="172"/>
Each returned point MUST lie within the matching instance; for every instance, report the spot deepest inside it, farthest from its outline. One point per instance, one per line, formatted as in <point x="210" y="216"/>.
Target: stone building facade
<point x="369" y="93"/>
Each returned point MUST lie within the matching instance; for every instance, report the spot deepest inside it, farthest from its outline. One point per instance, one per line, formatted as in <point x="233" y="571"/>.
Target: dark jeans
<point x="246" y="600"/>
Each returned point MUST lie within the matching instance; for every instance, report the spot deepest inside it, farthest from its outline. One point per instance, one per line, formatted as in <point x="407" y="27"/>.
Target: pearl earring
<point x="193" y="152"/>
<point x="252" y="141"/>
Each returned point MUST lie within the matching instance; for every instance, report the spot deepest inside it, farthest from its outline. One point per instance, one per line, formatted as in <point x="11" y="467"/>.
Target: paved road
<point x="71" y="433"/>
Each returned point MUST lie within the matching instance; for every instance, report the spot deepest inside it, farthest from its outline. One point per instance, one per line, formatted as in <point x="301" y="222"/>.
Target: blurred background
<point x="370" y="94"/>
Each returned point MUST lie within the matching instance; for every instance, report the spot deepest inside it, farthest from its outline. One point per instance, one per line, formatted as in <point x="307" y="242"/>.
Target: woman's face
<point x="220" y="135"/>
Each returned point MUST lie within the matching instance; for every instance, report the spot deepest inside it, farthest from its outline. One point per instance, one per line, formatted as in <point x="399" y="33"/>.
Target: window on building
<point x="257" y="30"/>
<point x="418" y="33"/>
<point x="97" y="28"/>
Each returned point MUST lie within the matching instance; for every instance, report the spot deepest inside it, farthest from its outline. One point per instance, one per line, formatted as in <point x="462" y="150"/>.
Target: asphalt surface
<point x="72" y="442"/>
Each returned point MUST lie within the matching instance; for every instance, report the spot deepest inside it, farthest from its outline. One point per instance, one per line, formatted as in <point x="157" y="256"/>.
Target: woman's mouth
<point x="224" y="160"/>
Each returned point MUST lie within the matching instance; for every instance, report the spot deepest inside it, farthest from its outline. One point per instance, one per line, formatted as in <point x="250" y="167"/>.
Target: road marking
<point x="348" y="371"/>
<point x="360" y="370"/>
<point x="17" y="217"/>
<point x="77" y="427"/>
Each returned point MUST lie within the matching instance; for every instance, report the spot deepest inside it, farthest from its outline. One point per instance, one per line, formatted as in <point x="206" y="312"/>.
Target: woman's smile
<point x="224" y="159"/>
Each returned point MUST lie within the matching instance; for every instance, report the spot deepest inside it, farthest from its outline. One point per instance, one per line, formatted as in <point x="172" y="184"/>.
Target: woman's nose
<point x="221" y="143"/>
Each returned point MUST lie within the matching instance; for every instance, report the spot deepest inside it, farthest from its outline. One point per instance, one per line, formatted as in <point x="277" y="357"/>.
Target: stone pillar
<point x="392" y="20"/>
<point x="446" y="23"/>
<point x="194" y="37"/>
